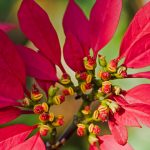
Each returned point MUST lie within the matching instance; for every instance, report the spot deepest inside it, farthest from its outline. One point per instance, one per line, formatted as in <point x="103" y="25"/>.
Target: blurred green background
<point x="138" y="138"/>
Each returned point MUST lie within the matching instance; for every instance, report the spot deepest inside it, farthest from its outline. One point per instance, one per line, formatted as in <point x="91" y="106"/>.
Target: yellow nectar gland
<point x="36" y="96"/>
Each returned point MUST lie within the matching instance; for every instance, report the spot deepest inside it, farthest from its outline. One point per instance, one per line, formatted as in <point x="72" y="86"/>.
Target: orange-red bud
<point x="44" y="117"/>
<point x="38" y="109"/>
<point x="81" y="130"/>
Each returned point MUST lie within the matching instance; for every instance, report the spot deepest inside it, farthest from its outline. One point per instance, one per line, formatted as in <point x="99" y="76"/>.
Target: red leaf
<point x="37" y="66"/>
<point x="73" y="53"/>
<point x="118" y="131"/>
<point x="5" y="102"/>
<point x="126" y="118"/>
<point x="139" y="27"/>
<point x="120" y="100"/>
<point x="36" y="25"/>
<point x="34" y="143"/>
<point x="104" y="19"/>
<point x="141" y="112"/>
<point x="8" y="114"/>
<point x="13" y="135"/>
<point x="139" y="94"/>
<point x="45" y="85"/>
<point x="109" y="143"/>
<point x="139" y="109"/>
<point x="76" y="23"/>
<point x="139" y="55"/>
<point x="6" y="27"/>
<point x="141" y="75"/>
<point x="12" y="76"/>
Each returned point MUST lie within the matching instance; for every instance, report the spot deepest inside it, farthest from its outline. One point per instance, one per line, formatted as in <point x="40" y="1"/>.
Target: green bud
<point x="52" y="91"/>
<point x="102" y="61"/>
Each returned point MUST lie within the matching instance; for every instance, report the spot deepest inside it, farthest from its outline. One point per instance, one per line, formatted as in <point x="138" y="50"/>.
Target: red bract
<point x="36" y="25"/>
<point x="12" y="78"/>
<point x="100" y="28"/>
<point x="106" y="142"/>
<point x="83" y="34"/>
<point x="128" y="115"/>
<point x="14" y="137"/>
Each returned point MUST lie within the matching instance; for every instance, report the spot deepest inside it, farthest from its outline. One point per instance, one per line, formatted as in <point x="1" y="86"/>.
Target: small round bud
<point x="65" y="79"/>
<point x="51" y="117"/>
<point x="86" y="88"/>
<point x="106" y="87"/>
<point x="112" y="66"/>
<point x="59" y="121"/>
<point x="105" y="76"/>
<point x="35" y="93"/>
<point x="44" y="117"/>
<point x="58" y="99"/>
<point x="89" y="63"/>
<point x="45" y="107"/>
<point x="86" y="110"/>
<point x="44" y="129"/>
<point x="38" y="109"/>
<point x="68" y="91"/>
<point x="26" y="102"/>
<point x="121" y="72"/>
<point x="81" y="130"/>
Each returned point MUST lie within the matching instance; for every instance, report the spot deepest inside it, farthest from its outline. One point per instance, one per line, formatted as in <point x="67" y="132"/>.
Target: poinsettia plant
<point x="115" y="106"/>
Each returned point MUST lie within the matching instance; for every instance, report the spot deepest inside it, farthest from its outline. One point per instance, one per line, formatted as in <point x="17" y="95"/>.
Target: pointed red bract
<point x="140" y="111"/>
<point x="139" y="27"/>
<point x="6" y="27"/>
<point x="13" y="135"/>
<point x="36" y="65"/>
<point x="104" y="19"/>
<point x="45" y="85"/>
<point x="12" y="76"/>
<point x="36" y="25"/>
<point x="139" y="94"/>
<point x="76" y="23"/>
<point x="118" y="131"/>
<point x="139" y="55"/>
<point x="73" y="53"/>
<point x="8" y="114"/>
<point x="108" y="143"/>
<point x="126" y="118"/>
<point x="141" y="75"/>
<point x="34" y="143"/>
<point x="5" y="102"/>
